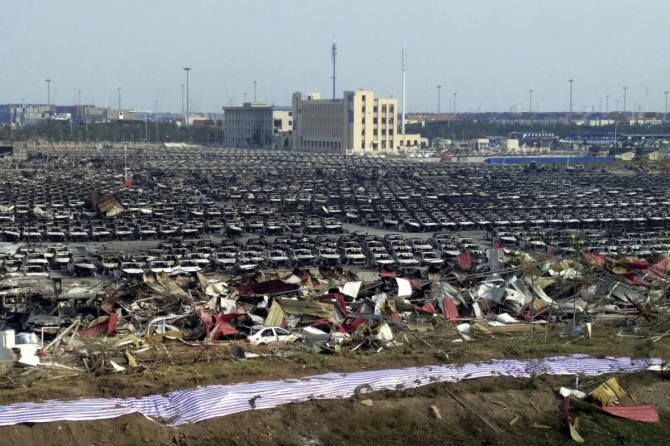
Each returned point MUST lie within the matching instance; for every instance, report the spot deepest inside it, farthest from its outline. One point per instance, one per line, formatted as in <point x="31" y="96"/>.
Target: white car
<point x="271" y="335"/>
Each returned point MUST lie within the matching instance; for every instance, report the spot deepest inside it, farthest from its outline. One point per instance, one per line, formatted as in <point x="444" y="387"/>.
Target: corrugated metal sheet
<point x="305" y="307"/>
<point x="644" y="412"/>
<point x="192" y="406"/>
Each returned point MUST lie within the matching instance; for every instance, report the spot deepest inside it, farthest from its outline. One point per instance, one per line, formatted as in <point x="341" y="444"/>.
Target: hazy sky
<point x="489" y="51"/>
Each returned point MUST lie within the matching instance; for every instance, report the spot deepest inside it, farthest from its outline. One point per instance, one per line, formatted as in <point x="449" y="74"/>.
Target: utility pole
<point x="156" y="120"/>
<point x="48" y="81"/>
<point x="439" y="97"/>
<point x="333" y="55"/>
<point x="530" y="101"/>
<point x="404" y="70"/>
<point x="570" y="112"/>
<point x="187" y="69"/>
<point x="86" y="120"/>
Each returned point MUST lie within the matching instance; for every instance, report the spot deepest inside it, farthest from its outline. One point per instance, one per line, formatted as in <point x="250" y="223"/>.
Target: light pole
<point x="182" y="99"/>
<point x="187" y="69"/>
<point x="254" y="91"/>
<point x="570" y="112"/>
<point x="439" y="96"/>
<point x="118" y="89"/>
<point x="530" y="101"/>
<point x="455" y="103"/>
<point x="607" y="105"/>
<point x="245" y="97"/>
<point x="624" y="99"/>
<point x="666" y="106"/>
<point x="48" y="81"/>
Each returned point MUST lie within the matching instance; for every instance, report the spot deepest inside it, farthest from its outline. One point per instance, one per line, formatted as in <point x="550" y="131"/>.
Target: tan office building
<point x="357" y="124"/>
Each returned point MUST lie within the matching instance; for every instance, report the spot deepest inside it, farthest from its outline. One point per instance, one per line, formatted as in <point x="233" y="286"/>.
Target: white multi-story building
<point x="255" y="124"/>
<point x="358" y="124"/>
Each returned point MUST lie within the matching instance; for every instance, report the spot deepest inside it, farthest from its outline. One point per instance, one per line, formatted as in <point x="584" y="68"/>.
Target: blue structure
<point x="549" y="159"/>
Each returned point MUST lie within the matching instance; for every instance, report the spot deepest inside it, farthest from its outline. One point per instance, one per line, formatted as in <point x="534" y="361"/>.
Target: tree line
<point x="117" y="131"/>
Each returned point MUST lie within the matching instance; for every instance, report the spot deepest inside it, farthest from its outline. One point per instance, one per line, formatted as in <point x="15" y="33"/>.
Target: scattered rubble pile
<point x="165" y="318"/>
<point x="605" y="398"/>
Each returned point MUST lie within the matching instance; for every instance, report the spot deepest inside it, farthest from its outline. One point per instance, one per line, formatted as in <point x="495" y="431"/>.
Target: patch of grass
<point x="644" y="349"/>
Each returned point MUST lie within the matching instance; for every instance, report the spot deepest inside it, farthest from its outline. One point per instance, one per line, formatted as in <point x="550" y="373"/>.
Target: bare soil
<point x="399" y="417"/>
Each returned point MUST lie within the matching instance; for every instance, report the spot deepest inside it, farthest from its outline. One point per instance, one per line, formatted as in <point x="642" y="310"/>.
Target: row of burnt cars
<point x="199" y="192"/>
<point x="238" y="256"/>
<point x="95" y="230"/>
<point x="613" y="243"/>
<point x="411" y="196"/>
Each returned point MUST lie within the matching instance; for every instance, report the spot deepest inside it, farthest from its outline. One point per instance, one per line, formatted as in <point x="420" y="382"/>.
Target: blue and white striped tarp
<point x="191" y="406"/>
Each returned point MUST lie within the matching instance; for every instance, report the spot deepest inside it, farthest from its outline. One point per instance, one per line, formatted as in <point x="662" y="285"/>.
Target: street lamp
<point x="48" y="81"/>
<point x="182" y="99"/>
<point x="624" y="100"/>
<point x="439" y="87"/>
<point x="187" y="69"/>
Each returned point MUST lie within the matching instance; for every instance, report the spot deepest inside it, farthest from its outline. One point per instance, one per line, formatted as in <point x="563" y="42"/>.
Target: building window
<point x="363" y="98"/>
<point x="383" y="108"/>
